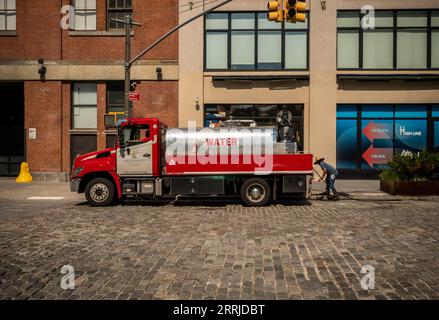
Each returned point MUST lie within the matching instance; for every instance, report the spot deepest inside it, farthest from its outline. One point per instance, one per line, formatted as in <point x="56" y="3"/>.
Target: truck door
<point x="135" y="155"/>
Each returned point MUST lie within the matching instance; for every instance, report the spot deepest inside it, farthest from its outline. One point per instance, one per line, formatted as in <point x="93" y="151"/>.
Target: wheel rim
<point x="255" y="192"/>
<point x="99" y="192"/>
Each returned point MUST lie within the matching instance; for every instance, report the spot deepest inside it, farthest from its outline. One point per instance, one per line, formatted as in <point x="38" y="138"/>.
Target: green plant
<point x="408" y="166"/>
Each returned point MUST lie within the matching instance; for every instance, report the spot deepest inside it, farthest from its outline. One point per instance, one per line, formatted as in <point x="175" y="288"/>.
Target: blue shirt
<point x="328" y="168"/>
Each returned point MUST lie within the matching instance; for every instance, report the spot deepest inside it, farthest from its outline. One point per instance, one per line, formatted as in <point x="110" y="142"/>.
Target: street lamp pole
<point x="128" y="26"/>
<point x="129" y="23"/>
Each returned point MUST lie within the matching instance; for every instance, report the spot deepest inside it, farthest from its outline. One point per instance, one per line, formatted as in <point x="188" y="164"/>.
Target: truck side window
<point x="137" y="134"/>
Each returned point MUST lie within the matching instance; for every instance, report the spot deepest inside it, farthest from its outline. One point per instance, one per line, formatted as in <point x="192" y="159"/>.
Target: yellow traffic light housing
<point x="295" y="10"/>
<point x="274" y="12"/>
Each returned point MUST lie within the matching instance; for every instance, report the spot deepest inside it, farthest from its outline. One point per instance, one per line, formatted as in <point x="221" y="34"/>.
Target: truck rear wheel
<point x="100" y="192"/>
<point x="256" y="192"/>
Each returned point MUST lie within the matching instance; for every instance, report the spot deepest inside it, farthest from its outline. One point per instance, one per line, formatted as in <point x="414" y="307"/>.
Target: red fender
<point x="117" y="182"/>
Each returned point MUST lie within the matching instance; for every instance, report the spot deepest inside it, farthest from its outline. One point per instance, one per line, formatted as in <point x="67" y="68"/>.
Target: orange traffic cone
<point x="24" y="176"/>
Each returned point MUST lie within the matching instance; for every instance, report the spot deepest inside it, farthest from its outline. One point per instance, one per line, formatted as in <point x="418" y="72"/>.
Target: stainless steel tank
<point x="221" y="141"/>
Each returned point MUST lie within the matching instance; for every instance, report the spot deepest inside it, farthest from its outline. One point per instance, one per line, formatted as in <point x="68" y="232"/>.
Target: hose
<point x="346" y="196"/>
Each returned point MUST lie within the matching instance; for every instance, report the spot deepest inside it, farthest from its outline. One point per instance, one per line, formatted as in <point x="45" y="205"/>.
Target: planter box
<point x="410" y="188"/>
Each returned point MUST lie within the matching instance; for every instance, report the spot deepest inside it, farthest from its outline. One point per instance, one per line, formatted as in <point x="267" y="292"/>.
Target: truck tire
<point x="256" y="192"/>
<point x="100" y="192"/>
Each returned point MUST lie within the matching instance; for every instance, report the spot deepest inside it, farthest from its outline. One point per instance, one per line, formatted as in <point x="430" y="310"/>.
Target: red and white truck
<point x="151" y="161"/>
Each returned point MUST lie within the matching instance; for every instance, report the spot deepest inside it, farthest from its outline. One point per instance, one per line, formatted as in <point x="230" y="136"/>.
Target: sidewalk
<point x="11" y="190"/>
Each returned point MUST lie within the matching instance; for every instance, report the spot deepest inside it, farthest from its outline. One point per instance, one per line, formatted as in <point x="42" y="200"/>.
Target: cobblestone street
<point x="222" y="250"/>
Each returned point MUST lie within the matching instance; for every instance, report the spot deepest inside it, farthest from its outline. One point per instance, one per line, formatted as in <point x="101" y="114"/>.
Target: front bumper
<point x="74" y="185"/>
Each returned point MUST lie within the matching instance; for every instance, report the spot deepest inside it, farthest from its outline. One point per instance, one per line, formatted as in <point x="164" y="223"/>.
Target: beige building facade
<point x="330" y="69"/>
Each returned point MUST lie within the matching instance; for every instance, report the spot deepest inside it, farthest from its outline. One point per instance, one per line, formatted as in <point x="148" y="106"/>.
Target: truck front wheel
<point x="100" y="192"/>
<point x="256" y="192"/>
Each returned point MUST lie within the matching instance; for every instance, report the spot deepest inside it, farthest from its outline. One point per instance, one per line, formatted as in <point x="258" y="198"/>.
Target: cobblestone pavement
<point x="222" y="250"/>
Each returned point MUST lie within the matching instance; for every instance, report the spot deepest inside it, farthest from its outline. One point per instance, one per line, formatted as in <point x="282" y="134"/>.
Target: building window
<point x="369" y="135"/>
<point x="115" y="97"/>
<point x="8" y="15"/>
<point x="118" y="9"/>
<point x="84" y="106"/>
<point x="400" y="40"/>
<point x="248" y="41"/>
<point x="85" y="14"/>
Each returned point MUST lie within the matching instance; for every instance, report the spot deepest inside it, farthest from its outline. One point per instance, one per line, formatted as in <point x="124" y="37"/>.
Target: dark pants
<point x="330" y="183"/>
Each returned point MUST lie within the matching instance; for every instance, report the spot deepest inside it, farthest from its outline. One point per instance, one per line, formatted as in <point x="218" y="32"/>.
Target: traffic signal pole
<point x="170" y="32"/>
<point x="128" y="24"/>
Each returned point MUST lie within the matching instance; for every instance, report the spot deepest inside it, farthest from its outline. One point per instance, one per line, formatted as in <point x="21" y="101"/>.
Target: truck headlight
<point x="78" y="171"/>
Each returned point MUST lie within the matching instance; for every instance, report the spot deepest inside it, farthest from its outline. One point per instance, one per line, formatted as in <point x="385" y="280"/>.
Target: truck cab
<point x="100" y="175"/>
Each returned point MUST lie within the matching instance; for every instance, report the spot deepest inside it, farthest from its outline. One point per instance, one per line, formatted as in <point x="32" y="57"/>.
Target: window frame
<point x="5" y="12"/>
<point x="428" y="28"/>
<point x="73" y="105"/>
<point x="109" y="86"/>
<point x="123" y="10"/>
<point x="86" y="11"/>
<point x="256" y="31"/>
<point x="359" y="118"/>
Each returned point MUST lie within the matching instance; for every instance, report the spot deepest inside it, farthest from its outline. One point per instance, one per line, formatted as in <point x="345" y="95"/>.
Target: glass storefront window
<point x="435" y="49"/>
<point x="383" y="130"/>
<point x="410" y="111"/>
<point x="403" y="39"/>
<point x="435" y="18"/>
<point x="216" y="50"/>
<point x="269" y="50"/>
<point x="383" y="19"/>
<point x="348" y="19"/>
<point x="243" y="21"/>
<point x="295" y="50"/>
<point x="348" y="49"/>
<point x="376" y="143"/>
<point x="436" y="137"/>
<point x="263" y="115"/>
<point x="248" y="41"/>
<point x="412" y="49"/>
<point x="347" y="111"/>
<point x="217" y="21"/>
<point x="243" y="50"/>
<point x="412" y="19"/>
<point x="264" y="24"/>
<point x="378" y="49"/>
<point x="347" y="144"/>
<point x="410" y="135"/>
<point x="377" y="111"/>
<point x="85" y="106"/>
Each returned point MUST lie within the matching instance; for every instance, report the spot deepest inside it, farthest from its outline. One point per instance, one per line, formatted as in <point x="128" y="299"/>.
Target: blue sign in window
<point x="436" y="136"/>
<point x="347" y="111"/>
<point x="383" y="130"/>
<point x="347" y="144"/>
<point x="411" y="111"/>
<point x="410" y="135"/>
<point x="377" y="111"/>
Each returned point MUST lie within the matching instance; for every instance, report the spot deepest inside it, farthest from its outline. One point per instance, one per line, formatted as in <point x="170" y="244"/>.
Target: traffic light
<point x="275" y="13"/>
<point x="295" y="10"/>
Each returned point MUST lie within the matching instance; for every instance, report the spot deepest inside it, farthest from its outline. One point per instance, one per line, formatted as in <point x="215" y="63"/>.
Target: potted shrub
<point x="412" y="174"/>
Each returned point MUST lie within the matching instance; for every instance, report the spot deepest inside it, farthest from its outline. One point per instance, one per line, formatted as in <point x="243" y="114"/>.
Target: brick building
<point x="46" y="122"/>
